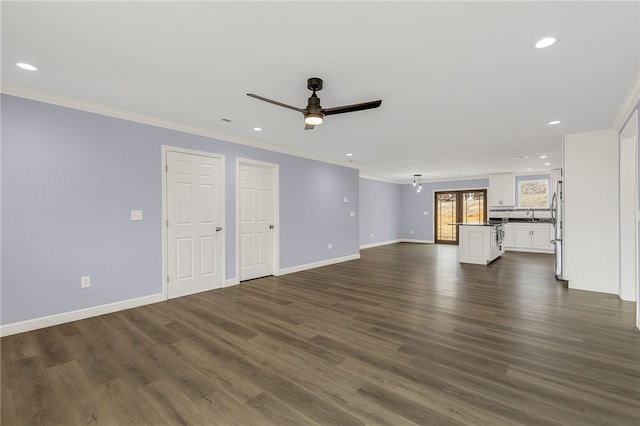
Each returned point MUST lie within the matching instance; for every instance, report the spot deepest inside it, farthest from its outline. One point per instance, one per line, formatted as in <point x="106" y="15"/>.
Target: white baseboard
<point x="401" y="240"/>
<point x="381" y="243"/>
<point x="408" y="240"/>
<point x="327" y="262"/>
<point x="231" y="281"/>
<point x="94" y="311"/>
<point x="528" y="250"/>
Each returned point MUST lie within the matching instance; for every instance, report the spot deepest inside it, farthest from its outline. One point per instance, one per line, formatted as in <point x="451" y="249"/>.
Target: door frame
<point x="165" y="252"/>
<point x="275" y="190"/>
<point x="629" y="140"/>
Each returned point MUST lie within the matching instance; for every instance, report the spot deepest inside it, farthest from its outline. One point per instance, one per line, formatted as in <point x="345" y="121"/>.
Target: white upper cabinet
<point x="501" y="190"/>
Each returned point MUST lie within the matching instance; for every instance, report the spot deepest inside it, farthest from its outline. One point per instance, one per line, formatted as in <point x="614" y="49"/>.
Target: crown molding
<point x="95" y="108"/>
<point x="425" y="181"/>
<point x="380" y="179"/>
<point x="629" y="104"/>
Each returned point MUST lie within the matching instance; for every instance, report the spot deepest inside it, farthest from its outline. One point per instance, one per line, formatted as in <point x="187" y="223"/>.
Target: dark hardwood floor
<point x="405" y="335"/>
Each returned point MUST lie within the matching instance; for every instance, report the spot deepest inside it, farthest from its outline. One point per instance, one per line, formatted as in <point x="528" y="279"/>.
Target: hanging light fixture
<point x="417" y="181"/>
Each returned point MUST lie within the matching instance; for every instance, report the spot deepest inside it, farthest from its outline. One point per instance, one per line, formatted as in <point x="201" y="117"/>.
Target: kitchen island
<point x="480" y="243"/>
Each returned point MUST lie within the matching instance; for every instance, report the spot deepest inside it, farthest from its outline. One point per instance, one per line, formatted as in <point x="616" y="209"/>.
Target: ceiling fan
<point x="314" y="113"/>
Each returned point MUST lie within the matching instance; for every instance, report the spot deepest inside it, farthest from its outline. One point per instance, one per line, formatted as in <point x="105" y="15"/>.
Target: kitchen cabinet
<point x="509" y="235"/>
<point x="501" y="190"/>
<point x="477" y="244"/>
<point x="532" y="237"/>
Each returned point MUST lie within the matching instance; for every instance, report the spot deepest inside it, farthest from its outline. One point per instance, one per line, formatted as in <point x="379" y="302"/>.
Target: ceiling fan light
<point x="545" y="42"/>
<point x="26" y="66"/>
<point x="313" y="119"/>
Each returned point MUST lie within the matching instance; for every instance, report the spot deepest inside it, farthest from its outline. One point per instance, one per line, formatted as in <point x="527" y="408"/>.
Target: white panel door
<point x="256" y="205"/>
<point x="194" y="213"/>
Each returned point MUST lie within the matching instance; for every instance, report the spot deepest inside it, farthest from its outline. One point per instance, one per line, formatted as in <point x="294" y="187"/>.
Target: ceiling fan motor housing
<point x="314" y="83"/>
<point x="313" y="105"/>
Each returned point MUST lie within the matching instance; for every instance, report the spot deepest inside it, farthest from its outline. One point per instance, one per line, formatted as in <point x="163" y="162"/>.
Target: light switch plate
<point x="426" y="213"/>
<point x="85" y="282"/>
<point x="345" y="200"/>
<point x="137" y="215"/>
<point x="352" y="214"/>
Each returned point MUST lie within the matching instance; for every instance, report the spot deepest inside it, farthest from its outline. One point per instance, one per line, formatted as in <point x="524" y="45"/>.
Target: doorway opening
<point x="468" y="206"/>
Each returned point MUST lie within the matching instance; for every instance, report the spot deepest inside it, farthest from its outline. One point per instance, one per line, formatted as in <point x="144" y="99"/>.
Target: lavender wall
<point x="70" y="179"/>
<point x="415" y="204"/>
<point x="380" y="211"/>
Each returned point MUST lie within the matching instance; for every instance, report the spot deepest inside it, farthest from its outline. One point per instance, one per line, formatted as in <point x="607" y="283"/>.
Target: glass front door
<point x="457" y="206"/>
<point x="446" y="214"/>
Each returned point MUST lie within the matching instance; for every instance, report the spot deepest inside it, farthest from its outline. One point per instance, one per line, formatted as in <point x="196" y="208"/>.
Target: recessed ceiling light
<point x="349" y="155"/>
<point x="545" y="42"/>
<point x="529" y="168"/>
<point x="257" y="129"/>
<point x="553" y="123"/>
<point x="542" y="156"/>
<point x="26" y="66"/>
<point x="546" y="164"/>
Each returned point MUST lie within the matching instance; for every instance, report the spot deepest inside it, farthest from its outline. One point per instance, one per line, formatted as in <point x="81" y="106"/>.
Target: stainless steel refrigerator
<point x="557" y="216"/>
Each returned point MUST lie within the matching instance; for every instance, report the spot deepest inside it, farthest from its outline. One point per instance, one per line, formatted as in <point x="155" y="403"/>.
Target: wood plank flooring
<point x="405" y="335"/>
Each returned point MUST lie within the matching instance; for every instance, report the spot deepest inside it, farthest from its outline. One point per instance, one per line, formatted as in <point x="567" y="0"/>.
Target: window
<point x="533" y="193"/>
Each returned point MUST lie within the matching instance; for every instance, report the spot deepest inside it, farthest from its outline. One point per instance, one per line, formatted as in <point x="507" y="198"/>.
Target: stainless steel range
<point x="499" y="234"/>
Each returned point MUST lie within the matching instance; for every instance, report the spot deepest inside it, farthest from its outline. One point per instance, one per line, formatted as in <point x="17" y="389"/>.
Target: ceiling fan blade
<point x="309" y="126"/>
<point x="351" y="108"/>
<point x="276" y="103"/>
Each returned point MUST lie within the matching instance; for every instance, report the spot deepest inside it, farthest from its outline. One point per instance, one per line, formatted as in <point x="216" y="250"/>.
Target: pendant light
<point x="417" y="182"/>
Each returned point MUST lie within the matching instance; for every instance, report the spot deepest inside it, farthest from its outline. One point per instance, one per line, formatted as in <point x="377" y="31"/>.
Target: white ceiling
<point x="463" y="92"/>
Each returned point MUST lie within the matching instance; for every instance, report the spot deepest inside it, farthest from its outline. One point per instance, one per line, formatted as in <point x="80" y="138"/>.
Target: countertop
<point x="526" y="220"/>
<point x="477" y="224"/>
<point x="494" y="222"/>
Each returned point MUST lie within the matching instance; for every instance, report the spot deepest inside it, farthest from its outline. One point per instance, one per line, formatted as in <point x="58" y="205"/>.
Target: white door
<point x="194" y="226"/>
<point x="256" y="208"/>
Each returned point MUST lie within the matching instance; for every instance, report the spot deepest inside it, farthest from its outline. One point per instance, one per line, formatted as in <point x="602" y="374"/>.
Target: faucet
<point x="533" y="214"/>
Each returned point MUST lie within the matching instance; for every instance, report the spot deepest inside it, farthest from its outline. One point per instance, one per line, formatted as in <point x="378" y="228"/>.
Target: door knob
<point x="218" y="229"/>
<point x="271" y="226"/>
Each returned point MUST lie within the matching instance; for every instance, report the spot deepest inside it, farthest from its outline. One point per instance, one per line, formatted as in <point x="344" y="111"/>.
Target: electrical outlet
<point x="345" y="200"/>
<point x="85" y="282"/>
<point x="426" y="213"/>
<point x="137" y="215"/>
<point x="330" y="246"/>
<point x="352" y="214"/>
<point x="412" y="232"/>
<point x="372" y="235"/>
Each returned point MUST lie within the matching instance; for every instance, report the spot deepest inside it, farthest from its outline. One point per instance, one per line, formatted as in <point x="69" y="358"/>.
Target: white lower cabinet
<point x="533" y="237"/>
<point x="541" y="236"/>
<point x="509" y="235"/>
<point x="477" y="244"/>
